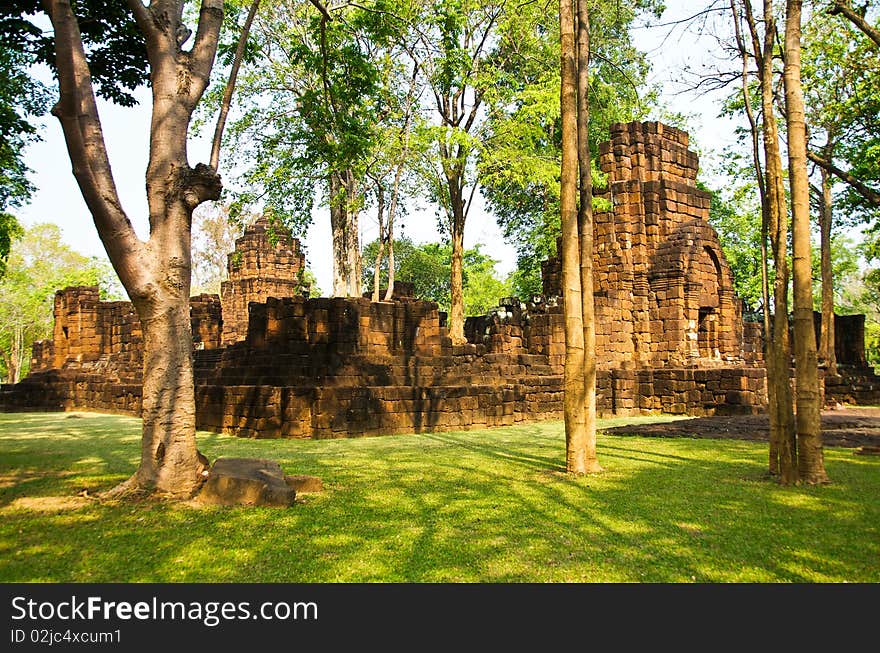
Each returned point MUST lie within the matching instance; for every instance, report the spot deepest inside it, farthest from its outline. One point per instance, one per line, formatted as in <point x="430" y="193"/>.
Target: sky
<point x="671" y="49"/>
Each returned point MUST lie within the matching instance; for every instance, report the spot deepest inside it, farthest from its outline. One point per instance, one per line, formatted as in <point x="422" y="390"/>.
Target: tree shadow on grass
<point x="471" y="507"/>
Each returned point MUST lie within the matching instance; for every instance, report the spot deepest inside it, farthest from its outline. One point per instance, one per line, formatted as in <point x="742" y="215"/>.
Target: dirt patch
<point x="849" y="427"/>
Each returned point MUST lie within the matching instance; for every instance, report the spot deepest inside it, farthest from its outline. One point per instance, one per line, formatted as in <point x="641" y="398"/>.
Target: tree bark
<point x="827" y="354"/>
<point x="377" y="264"/>
<point x="344" y="225"/>
<point x="811" y="465"/>
<point x="574" y="398"/>
<point x="156" y="274"/>
<point x="783" y="444"/>
<point x="456" y="277"/>
<point x="585" y="230"/>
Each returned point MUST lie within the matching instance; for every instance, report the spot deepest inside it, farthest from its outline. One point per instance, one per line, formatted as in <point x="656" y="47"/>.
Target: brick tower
<point x="258" y="269"/>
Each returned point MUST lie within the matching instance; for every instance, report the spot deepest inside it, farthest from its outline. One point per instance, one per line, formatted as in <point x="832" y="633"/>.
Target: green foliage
<point x="21" y="99"/>
<point x="9" y="231"/>
<point x="844" y="266"/>
<point x="39" y="264"/>
<point x="481" y="506"/>
<point x="427" y="267"/>
<point x="735" y="213"/>
<point x="312" y="102"/>
<point x="519" y="165"/>
<point x="841" y="80"/>
<point x="115" y="46"/>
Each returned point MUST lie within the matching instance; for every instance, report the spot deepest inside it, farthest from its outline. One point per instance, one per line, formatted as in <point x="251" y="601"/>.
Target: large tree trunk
<point x="169" y="460"/>
<point x="811" y="464"/>
<point x="585" y="229"/>
<point x="574" y="398"/>
<point x="156" y="274"/>
<point x="827" y="354"/>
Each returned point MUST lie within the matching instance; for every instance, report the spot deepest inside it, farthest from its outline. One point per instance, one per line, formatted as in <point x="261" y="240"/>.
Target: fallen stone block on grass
<point x="304" y="483"/>
<point x="246" y="481"/>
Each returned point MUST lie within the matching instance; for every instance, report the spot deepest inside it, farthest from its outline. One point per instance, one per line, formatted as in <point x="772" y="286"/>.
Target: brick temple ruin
<point x="271" y="362"/>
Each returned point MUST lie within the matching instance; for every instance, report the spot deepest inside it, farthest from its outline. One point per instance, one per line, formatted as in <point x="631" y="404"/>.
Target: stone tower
<point x="258" y="269"/>
<point x="663" y="290"/>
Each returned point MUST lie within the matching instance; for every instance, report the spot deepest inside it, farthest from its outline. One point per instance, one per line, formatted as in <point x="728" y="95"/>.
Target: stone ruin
<point x="271" y="362"/>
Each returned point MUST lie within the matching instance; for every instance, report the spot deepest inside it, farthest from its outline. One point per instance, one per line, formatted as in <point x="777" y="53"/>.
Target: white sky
<point x="58" y="198"/>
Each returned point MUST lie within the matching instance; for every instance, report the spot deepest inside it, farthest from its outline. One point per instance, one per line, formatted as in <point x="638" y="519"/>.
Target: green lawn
<point x="480" y="506"/>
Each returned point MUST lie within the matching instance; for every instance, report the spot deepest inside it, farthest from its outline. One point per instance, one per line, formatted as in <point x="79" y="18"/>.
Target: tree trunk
<point x="827" y="354"/>
<point x="156" y="274"/>
<point x="169" y="460"/>
<point x="456" y="277"/>
<point x="380" y="212"/>
<point x="585" y="229"/>
<point x="353" y="242"/>
<point x="783" y="445"/>
<point x="226" y="102"/>
<point x="344" y="225"/>
<point x="811" y="465"/>
<point x="14" y="362"/>
<point x="574" y="398"/>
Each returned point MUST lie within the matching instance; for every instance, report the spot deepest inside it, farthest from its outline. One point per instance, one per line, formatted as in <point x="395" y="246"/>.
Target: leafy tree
<point x="9" y="231"/>
<point x="40" y="264"/>
<point x="156" y="272"/>
<point x="313" y="104"/>
<point x="427" y="267"/>
<point x="736" y="216"/>
<point x="519" y="167"/>
<point x="213" y="240"/>
<point x="21" y="99"/>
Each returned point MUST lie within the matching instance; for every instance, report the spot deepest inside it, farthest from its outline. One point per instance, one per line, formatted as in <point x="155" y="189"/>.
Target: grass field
<point x="479" y="506"/>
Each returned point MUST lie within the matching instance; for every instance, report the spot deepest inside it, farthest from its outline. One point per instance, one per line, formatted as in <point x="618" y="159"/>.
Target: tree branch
<point x="865" y="191"/>
<point x="78" y="113"/>
<point x="843" y="7"/>
<point x="230" y="83"/>
<point x="205" y="47"/>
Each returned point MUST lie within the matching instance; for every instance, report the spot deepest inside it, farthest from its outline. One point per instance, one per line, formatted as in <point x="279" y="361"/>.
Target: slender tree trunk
<point x="392" y="212"/>
<point x="783" y="445"/>
<point x="353" y="243"/>
<point x="585" y="229"/>
<point x="746" y="57"/>
<point x="344" y="226"/>
<point x="15" y="358"/>
<point x="574" y="399"/>
<point x="811" y="465"/>
<point x="380" y="212"/>
<point x="456" y="278"/>
<point x="827" y="354"/>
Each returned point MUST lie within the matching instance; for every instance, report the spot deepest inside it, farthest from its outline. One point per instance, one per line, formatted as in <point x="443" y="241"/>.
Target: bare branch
<point x="860" y="187"/>
<point x="205" y="47"/>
